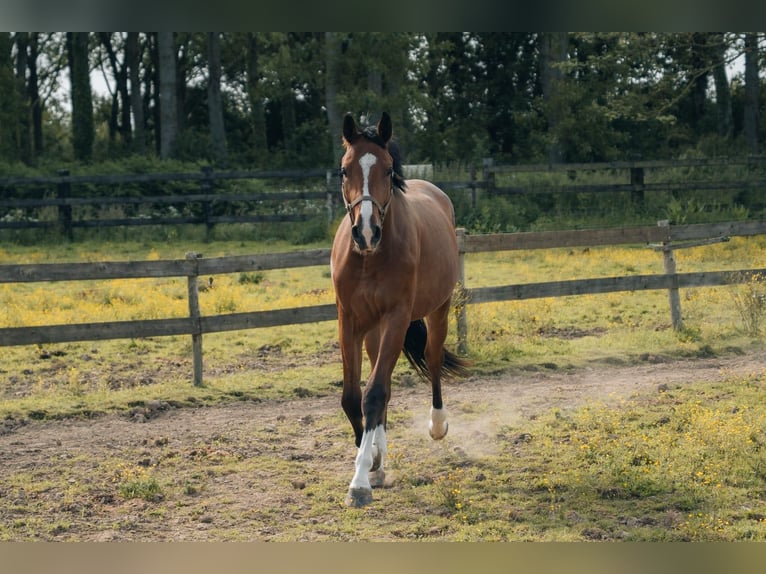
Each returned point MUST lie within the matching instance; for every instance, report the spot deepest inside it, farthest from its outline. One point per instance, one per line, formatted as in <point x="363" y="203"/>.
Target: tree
<point x="722" y="90"/>
<point x="132" y="61"/>
<point x="214" y="101"/>
<point x="255" y="97"/>
<point x="83" y="132"/>
<point x="35" y="98"/>
<point x="332" y="55"/>
<point x="8" y="101"/>
<point x="450" y="100"/>
<point x="119" y="116"/>
<point x="752" y="88"/>
<point x="24" y="110"/>
<point x="511" y="84"/>
<point x="168" y="127"/>
<point x="553" y="53"/>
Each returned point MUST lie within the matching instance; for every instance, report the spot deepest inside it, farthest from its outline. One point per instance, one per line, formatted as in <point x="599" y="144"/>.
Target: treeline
<point x="266" y="100"/>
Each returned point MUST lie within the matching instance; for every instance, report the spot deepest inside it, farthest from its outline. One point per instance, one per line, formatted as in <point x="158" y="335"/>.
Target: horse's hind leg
<point x="437" y="324"/>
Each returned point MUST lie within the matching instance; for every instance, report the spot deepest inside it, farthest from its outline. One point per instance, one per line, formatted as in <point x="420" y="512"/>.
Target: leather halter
<point x="382" y="209"/>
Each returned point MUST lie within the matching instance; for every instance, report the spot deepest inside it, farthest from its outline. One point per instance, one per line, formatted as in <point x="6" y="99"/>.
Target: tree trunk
<point x="257" y="116"/>
<point x="121" y="97"/>
<point x="214" y="101"/>
<point x="332" y="53"/>
<point x="287" y="104"/>
<point x="701" y="69"/>
<point x="752" y="88"/>
<point x="553" y="50"/>
<point x="22" y="63"/>
<point x="8" y="100"/>
<point x="83" y="131"/>
<point x="35" y="100"/>
<point x="151" y="82"/>
<point x="168" y="96"/>
<point x="132" y="59"/>
<point x="722" y="90"/>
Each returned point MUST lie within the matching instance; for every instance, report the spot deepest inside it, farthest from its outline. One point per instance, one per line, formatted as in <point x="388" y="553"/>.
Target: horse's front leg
<point x="370" y="455"/>
<point x="377" y="472"/>
<point x="351" y="352"/>
<point x="372" y="450"/>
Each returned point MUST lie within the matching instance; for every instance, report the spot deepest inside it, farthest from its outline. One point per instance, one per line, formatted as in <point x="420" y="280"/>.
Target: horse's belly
<point x="434" y="289"/>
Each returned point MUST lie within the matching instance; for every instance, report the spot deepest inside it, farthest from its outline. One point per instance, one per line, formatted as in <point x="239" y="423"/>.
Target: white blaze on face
<point x="366" y="161"/>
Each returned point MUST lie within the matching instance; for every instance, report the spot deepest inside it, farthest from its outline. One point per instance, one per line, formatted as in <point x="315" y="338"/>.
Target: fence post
<point x="637" y="183"/>
<point x="460" y="300"/>
<point x="206" y="188"/>
<point x="65" y="210"/>
<point x="489" y="175"/>
<point x="330" y="188"/>
<point x="194" y="315"/>
<point x="669" y="263"/>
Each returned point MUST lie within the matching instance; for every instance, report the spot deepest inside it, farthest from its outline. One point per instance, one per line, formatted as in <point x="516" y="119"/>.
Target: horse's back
<point x="420" y="189"/>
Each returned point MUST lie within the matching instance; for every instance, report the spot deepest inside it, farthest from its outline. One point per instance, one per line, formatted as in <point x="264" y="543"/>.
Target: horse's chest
<point x="373" y="291"/>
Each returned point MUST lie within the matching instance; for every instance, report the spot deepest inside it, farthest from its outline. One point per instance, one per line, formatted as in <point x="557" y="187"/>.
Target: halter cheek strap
<point x="381" y="208"/>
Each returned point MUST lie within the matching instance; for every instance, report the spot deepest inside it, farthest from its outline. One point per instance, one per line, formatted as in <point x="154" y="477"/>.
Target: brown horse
<point x="394" y="263"/>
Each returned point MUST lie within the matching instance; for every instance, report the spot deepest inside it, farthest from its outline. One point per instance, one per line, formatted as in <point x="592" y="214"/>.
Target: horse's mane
<point x="370" y="133"/>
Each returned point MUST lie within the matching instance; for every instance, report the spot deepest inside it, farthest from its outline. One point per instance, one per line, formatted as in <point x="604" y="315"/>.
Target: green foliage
<point x="749" y="296"/>
<point x="454" y="96"/>
<point x="148" y="490"/>
<point x="500" y="215"/>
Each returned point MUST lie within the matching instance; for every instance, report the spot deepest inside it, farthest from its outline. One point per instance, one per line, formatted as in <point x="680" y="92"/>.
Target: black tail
<point x="415" y="351"/>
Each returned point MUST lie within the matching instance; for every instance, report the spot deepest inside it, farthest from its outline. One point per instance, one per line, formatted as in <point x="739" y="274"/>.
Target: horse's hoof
<point x="377" y="477"/>
<point x="438" y="436"/>
<point x="358" y="497"/>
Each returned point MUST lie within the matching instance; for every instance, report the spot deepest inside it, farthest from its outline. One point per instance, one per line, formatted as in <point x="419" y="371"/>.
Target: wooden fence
<point x="56" y="192"/>
<point x="205" y="203"/>
<point x="664" y="237"/>
<point x="635" y="171"/>
<point x="202" y="204"/>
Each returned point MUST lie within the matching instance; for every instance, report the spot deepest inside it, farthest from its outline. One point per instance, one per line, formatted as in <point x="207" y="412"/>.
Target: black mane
<point x="371" y="134"/>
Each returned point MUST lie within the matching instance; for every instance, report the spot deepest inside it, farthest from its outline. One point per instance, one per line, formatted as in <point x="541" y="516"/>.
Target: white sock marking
<point x="370" y="442"/>
<point x="437" y="426"/>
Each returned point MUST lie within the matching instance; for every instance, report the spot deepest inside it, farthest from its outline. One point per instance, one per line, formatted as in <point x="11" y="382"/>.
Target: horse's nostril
<point x="376" y="233"/>
<point x="357" y="236"/>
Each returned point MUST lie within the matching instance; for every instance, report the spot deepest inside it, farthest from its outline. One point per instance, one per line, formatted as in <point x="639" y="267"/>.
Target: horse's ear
<point x="349" y="128"/>
<point x="385" y="130"/>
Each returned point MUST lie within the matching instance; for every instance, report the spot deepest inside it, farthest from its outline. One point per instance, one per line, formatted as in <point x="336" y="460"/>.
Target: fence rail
<point x="57" y="191"/>
<point x="668" y="237"/>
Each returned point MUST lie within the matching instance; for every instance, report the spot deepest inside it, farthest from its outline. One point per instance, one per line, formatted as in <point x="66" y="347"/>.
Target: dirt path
<point x="477" y="408"/>
<point x="518" y="395"/>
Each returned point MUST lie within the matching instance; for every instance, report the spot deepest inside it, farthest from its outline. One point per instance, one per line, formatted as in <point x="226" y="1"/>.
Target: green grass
<point x="83" y="379"/>
<point x="682" y="463"/>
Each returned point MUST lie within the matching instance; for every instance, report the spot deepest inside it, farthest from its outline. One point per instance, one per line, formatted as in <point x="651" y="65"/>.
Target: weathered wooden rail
<point x="199" y="192"/>
<point x="205" y="202"/>
<point x="665" y="237"/>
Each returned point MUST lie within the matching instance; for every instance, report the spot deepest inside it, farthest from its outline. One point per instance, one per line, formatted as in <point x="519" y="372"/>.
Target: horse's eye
<point x="390" y="172"/>
<point x="343" y="173"/>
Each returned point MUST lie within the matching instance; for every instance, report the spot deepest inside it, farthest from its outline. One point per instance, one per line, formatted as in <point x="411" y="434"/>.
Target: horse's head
<point x="369" y="173"/>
